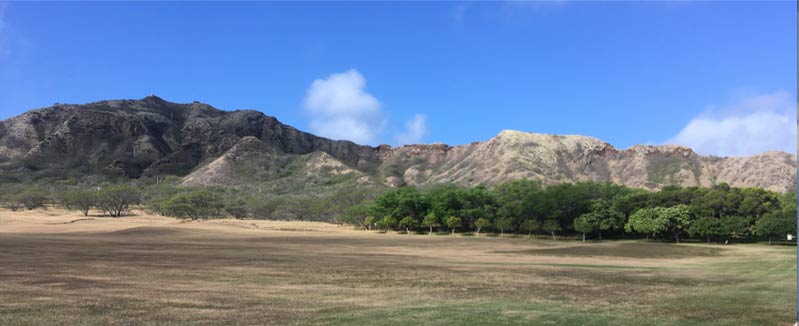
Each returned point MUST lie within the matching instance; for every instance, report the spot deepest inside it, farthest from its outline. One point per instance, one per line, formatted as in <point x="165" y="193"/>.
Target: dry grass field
<point x="58" y="268"/>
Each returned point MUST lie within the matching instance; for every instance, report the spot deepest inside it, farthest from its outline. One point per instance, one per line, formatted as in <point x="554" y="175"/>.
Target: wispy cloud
<point x="415" y="130"/>
<point x="750" y="125"/>
<point x="341" y="108"/>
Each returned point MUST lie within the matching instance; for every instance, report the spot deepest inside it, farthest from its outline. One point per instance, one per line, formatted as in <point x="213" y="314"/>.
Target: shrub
<point x="79" y="200"/>
<point x="116" y="200"/>
<point x="201" y="204"/>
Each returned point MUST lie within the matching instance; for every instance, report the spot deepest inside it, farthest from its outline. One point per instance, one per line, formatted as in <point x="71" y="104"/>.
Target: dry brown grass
<point x="58" y="268"/>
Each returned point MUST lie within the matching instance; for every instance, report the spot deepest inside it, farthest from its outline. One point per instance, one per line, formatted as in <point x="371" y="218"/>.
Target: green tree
<point x="735" y="226"/>
<point x="583" y="225"/>
<point x="117" y="199"/>
<point x="388" y="223"/>
<point x="443" y="200"/>
<point x="356" y="215"/>
<point x="706" y="227"/>
<point x="14" y="202"/>
<point x="32" y="199"/>
<point x="473" y="204"/>
<point x="453" y="222"/>
<point x="369" y="221"/>
<point x="237" y="208"/>
<point x="408" y="223"/>
<point x="675" y="219"/>
<point x="646" y="221"/>
<point x="678" y="219"/>
<point x="757" y="202"/>
<point x="518" y="199"/>
<point x="199" y="204"/>
<point x="503" y="223"/>
<point x="79" y="200"/>
<point x="531" y="225"/>
<point x="551" y="226"/>
<point x="404" y="201"/>
<point x="431" y="221"/>
<point x="602" y="217"/>
<point x="776" y="224"/>
<point x="480" y="224"/>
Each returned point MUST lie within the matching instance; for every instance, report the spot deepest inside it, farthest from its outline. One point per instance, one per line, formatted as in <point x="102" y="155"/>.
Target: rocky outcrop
<point x="554" y="159"/>
<point x="151" y="136"/>
<point x="213" y="147"/>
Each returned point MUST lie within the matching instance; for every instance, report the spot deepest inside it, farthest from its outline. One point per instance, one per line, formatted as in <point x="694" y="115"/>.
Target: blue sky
<point x="720" y="77"/>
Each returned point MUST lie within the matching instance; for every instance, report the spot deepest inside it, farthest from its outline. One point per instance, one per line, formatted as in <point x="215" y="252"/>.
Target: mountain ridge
<point x="151" y="137"/>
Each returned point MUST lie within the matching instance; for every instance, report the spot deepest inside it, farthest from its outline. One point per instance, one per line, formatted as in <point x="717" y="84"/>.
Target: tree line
<point x="167" y="199"/>
<point x="587" y="210"/>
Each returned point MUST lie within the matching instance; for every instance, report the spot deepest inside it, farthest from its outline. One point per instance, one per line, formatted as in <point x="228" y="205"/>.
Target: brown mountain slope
<point x="148" y="137"/>
<point x="556" y="159"/>
<point x="214" y="147"/>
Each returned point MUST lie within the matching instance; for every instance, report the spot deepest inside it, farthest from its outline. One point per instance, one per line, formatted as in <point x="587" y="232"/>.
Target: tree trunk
<point x="708" y="239"/>
<point x="407" y="231"/>
<point x="677" y="236"/>
<point x="529" y="234"/>
<point x="553" y="235"/>
<point x="583" y="236"/>
<point x="477" y="234"/>
<point x="600" y="235"/>
<point x="769" y="240"/>
<point x="501" y="232"/>
<point x="431" y="231"/>
<point x="453" y="231"/>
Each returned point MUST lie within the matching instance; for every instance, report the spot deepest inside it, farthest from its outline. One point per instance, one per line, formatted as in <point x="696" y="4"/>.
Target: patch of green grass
<point x="766" y="281"/>
<point x="497" y="312"/>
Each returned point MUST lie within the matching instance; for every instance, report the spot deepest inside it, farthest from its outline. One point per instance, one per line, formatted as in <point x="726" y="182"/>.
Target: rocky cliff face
<point x="150" y="136"/>
<point x="556" y="159"/>
<point x="214" y="147"/>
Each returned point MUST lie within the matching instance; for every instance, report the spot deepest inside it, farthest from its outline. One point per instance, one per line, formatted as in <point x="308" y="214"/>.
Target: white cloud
<point x="415" y="130"/>
<point x="751" y="125"/>
<point x="340" y="108"/>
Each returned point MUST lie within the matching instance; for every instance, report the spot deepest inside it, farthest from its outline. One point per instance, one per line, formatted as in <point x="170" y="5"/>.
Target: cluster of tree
<point x="214" y="202"/>
<point x="113" y="200"/>
<point x="586" y="209"/>
<point x="597" y="209"/>
<point x="168" y="199"/>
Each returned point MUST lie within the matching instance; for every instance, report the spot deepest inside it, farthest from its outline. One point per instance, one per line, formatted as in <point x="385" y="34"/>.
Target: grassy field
<point x="57" y="268"/>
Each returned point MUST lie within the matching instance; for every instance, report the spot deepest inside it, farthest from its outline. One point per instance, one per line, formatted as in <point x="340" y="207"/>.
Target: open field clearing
<point x="59" y="268"/>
